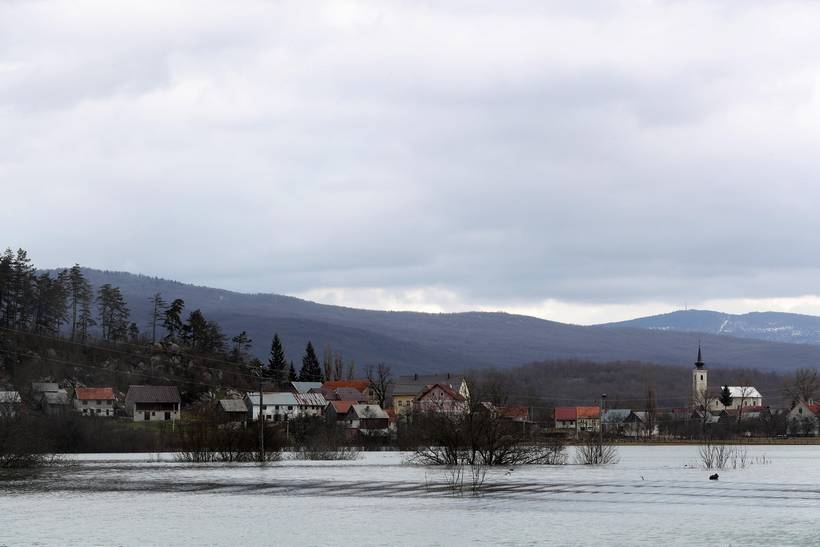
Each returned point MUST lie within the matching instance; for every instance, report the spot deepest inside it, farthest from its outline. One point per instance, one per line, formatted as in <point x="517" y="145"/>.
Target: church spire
<point x="699" y="363"/>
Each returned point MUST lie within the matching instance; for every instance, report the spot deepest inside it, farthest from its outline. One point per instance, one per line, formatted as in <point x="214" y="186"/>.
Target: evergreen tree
<point x="726" y="396"/>
<point x="203" y="335"/>
<point x="277" y="365"/>
<point x="113" y="313"/>
<point x="172" y="319"/>
<point x="292" y="373"/>
<point x="5" y="286"/>
<point x="241" y="343"/>
<point x="79" y="292"/>
<point x="311" y="370"/>
<point x="157" y="313"/>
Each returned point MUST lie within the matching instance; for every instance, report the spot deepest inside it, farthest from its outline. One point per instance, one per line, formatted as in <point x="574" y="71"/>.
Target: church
<point x="745" y="397"/>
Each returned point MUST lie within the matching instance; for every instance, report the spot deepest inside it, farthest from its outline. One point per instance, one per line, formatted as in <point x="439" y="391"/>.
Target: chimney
<point x="415" y="377"/>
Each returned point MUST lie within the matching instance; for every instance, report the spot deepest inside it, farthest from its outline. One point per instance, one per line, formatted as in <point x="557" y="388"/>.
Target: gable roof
<point x="368" y="412"/>
<point x="94" y="393"/>
<point x="233" y="405"/>
<point x="415" y="383"/>
<point x="450" y="392"/>
<point x="344" y="394"/>
<point x="616" y="415"/>
<point x="271" y="398"/>
<point x="516" y="412"/>
<point x="305" y="387"/>
<point x="743" y="392"/>
<point x="359" y="385"/>
<point x="44" y="387"/>
<point x="153" y="394"/>
<point x="310" y="399"/>
<point x="588" y="411"/>
<point x="565" y="413"/>
<point x="341" y="407"/>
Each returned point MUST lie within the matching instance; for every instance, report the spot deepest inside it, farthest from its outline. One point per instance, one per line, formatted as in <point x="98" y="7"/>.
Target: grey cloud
<point x="400" y="146"/>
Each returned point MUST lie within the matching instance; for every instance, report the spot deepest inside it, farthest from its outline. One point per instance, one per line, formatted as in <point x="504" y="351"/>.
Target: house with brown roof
<point x="336" y="411"/>
<point x="362" y="386"/>
<point x="440" y="398"/>
<point x="94" y="401"/>
<point x="153" y="403"/>
<point x="405" y="389"/>
<point x="232" y="410"/>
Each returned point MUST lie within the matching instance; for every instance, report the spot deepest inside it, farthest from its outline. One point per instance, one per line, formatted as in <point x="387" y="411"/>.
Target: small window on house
<point x="85" y="403"/>
<point x="153" y="414"/>
<point x="108" y="403"/>
<point x="290" y="407"/>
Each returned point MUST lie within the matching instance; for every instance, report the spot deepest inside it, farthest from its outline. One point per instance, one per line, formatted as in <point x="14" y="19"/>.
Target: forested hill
<point x="422" y="342"/>
<point x="772" y="326"/>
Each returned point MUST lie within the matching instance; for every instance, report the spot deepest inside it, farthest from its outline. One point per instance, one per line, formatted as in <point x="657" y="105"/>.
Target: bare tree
<point x="351" y="370"/>
<point x="327" y="363"/>
<point x="803" y="385"/>
<point x="338" y="366"/>
<point x="703" y="401"/>
<point x="381" y="380"/>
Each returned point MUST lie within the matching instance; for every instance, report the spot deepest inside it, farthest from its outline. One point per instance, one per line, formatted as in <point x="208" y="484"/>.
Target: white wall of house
<point x="95" y="407"/>
<point x="146" y="413"/>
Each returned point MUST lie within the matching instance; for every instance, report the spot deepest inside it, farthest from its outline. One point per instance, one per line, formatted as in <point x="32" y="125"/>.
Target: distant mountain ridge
<point x="790" y="328"/>
<point x="413" y="342"/>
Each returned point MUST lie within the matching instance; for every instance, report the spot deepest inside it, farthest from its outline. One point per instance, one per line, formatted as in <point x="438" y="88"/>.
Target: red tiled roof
<point x="588" y="411"/>
<point x="814" y="409"/>
<point x="515" y="411"/>
<point x="341" y="407"/>
<point x="565" y="413"/>
<point x="94" y="393"/>
<point x="572" y="413"/>
<point x="359" y="385"/>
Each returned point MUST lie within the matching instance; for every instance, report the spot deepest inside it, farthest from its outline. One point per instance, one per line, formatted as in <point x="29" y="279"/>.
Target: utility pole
<point x="258" y="372"/>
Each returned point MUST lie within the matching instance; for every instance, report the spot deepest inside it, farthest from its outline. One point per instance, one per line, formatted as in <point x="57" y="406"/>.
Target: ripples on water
<point x="651" y="496"/>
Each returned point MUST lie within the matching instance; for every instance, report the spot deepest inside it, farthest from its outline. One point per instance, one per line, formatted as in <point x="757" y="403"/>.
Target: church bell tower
<point x="699" y="380"/>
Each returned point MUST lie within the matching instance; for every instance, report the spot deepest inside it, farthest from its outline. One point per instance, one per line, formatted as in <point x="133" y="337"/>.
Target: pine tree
<point x="277" y="365"/>
<point x="157" y="312"/>
<point x="79" y="291"/>
<point x="172" y="319"/>
<point x="292" y="373"/>
<point x="241" y="343"/>
<point x="113" y="313"/>
<point x="726" y="397"/>
<point x="311" y="370"/>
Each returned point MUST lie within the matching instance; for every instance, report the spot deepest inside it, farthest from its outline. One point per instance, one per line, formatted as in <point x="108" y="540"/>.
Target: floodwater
<point x="653" y="496"/>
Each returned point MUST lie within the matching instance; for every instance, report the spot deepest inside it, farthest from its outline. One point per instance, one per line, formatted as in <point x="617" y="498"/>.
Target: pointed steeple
<point x="699" y="363"/>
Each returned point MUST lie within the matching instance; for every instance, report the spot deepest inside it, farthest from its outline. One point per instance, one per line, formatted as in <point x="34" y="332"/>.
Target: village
<point x="363" y="410"/>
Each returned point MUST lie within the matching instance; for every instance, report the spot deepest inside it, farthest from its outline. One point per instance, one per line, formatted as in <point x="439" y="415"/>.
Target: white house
<point x="367" y="420"/>
<point x="94" y="401"/>
<point x="742" y="397"/>
<point x="804" y="419"/>
<point x="283" y="405"/>
<point x="153" y="403"/>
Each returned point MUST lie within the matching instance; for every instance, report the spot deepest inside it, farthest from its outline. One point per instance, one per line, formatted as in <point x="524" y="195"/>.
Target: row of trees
<point x="333" y="366"/>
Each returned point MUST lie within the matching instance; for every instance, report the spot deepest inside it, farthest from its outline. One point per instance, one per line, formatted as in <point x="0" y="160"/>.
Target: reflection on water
<point x="652" y="495"/>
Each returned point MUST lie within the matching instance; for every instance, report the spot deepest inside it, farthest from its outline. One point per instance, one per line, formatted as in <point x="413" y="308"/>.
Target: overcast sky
<point x="578" y="161"/>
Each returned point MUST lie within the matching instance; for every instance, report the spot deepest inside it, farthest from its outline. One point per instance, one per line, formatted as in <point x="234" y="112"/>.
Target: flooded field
<point x="654" y="495"/>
